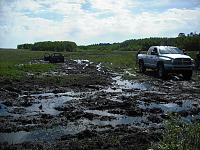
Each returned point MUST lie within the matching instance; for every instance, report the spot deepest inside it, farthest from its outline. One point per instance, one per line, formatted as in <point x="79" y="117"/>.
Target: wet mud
<point x="99" y="111"/>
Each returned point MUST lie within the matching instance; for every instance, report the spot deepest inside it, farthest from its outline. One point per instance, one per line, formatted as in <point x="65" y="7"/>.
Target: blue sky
<point x="94" y="21"/>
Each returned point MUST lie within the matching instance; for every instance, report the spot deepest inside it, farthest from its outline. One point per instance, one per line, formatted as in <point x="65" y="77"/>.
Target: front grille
<point x="182" y="61"/>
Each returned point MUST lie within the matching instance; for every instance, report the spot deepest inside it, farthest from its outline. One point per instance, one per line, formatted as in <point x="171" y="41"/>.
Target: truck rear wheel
<point x="187" y="75"/>
<point x="161" y="71"/>
<point x="142" y="68"/>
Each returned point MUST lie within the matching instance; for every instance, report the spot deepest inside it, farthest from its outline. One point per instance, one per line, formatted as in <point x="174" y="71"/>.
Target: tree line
<point x="24" y="46"/>
<point x="189" y="42"/>
<point x="58" y="46"/>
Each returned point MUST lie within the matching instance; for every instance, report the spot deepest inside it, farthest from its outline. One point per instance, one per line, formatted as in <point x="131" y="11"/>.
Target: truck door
<point x="154" y="58"/>
<point x="148" y="57"/>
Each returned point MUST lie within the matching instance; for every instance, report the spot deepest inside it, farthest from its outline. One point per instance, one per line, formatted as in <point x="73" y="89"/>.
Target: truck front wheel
<point x="161" y="71"/>
<point x="142" y="68"/>
<point x="187" y="75"/>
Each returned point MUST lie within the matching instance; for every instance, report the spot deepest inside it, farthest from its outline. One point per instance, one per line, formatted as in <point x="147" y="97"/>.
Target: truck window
<point x="170" y="50"/>
<point x="149" y="51"/>
<point x="154" y="51"/>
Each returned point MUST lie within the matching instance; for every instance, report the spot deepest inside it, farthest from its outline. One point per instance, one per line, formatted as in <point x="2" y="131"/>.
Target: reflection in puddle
<point x="72" y="128"/>
<point x="120" y="119"/>
<point x="44" y="103"/>
<point x="126" y="84"/>
<point x="4" y="110"/>
<point x="14" y="137"/>
<point x="101" y="113"/>
<point x="167" y="107"/>
<point x="119" y="85"/>
<point x="112" y="90"/>
<point x="47" y="106"/>
<point x="48" y="135"/>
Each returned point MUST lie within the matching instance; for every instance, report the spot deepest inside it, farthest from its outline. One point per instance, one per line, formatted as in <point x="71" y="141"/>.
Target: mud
<point x="99" y="111"/>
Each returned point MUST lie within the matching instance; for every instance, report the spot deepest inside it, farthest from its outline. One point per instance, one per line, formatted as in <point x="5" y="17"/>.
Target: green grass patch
<point x="179" y="135"/>
<point x="14" y="63"/>
<point x="10" y="60"/>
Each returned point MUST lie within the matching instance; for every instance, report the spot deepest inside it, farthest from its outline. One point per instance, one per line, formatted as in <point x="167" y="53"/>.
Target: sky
<point x="95" y="21"/>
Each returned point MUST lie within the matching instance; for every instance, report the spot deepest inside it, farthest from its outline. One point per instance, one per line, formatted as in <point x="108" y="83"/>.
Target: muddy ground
<point x="90" y="107"/>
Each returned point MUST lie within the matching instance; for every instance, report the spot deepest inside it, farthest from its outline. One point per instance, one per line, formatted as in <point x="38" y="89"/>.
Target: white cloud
<point x="26" y="5"/>
<point x="86" y="27"/>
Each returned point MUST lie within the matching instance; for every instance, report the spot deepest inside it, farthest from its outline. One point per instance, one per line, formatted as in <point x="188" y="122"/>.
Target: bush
<point x="180" y="135"/>
<point x="24" y="46"/>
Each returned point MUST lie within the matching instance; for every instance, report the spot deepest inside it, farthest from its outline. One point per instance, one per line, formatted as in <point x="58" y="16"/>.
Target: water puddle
<point x="52" y="134"/>
<point x="190" y="118"/>
<point x="99" y="68"/>
<point x="167" y="107"/>
<point x="48" y="135"/>
<point x="118" y="120"/>
<point x="44" y="103"/>
<point x="14" y="137"/>
<point x="47" y="102"/>
<point x="4" y="111"/>
<point x="47" y="106"/>
<point x="126" y="84"/>
<point x="130" y="74"/>
<point x="78" y="61"/>
<point x="112" y="90"/>
<point x="136" y="121"/>
<point x="83" y="63"/>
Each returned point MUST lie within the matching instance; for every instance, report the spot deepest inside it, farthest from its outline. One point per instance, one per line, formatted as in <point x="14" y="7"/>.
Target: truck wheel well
<point x="140" y="60"/>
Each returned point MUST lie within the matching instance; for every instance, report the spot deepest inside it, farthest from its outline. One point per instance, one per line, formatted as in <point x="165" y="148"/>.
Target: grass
<point x="10" y="61"/>
<point x="14" y="63"/>
<point x="179" y="135"/>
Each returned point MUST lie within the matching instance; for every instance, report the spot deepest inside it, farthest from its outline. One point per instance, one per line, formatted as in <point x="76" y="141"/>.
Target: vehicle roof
<point x="57" y="53"/>
<point x="164" y="47"/>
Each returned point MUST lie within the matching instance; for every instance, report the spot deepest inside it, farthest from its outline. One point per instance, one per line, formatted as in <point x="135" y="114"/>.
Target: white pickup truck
<point x="166" y="59"/>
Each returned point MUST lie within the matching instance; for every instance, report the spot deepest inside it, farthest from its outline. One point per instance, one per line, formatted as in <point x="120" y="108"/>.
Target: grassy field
<point x="11" y="60"/>
<point x="11" y="63"/>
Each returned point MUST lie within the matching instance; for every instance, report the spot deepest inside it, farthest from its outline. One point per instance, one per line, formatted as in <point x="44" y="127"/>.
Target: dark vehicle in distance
<point x="46" y="57"/>
<point x="54" y="58"/>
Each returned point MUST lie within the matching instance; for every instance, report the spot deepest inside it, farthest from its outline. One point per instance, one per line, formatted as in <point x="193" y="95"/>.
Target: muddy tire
<point x="161" y="71"/>
<point x="187" y="75"/>
<point x="142" y="68"/>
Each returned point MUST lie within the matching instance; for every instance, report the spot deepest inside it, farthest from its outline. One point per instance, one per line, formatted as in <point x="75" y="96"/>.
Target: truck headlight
<point x="192" y="61"/>
<point x="169" y="61"/>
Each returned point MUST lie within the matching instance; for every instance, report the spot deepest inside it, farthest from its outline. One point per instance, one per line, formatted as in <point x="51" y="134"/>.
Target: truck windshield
<point x="170" y="50"/>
